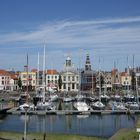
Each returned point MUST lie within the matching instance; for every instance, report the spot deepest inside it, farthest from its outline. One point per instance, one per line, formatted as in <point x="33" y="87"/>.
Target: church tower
<point x="88" y="64"/>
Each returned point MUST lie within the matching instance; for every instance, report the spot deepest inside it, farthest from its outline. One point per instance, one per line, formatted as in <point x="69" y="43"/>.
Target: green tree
<point x="19" y="83"/>
<point x="60" y="82"/>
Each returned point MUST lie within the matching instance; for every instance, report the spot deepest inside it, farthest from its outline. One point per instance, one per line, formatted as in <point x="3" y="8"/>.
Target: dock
<point x="72" y="112"/>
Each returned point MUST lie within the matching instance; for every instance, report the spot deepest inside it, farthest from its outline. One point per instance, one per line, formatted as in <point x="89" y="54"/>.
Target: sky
<point x="107" y="30"/>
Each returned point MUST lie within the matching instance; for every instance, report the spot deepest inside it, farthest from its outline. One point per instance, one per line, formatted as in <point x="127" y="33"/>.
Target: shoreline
<point x="45" y="136"/>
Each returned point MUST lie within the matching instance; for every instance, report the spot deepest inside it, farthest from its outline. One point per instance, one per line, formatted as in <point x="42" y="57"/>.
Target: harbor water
<point x="89" y="125"/>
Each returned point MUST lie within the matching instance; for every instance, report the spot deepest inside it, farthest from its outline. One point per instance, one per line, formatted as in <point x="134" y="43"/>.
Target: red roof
<point x="124" y="74"/>
<point x="52" y="72"/>
<point x="14" y="76"/>
<point x="34" y="70"/>
<point x="4" y="73"/>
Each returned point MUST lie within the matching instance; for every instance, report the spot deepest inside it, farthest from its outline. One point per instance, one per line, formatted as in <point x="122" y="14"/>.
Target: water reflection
<point x="93" y="125"/>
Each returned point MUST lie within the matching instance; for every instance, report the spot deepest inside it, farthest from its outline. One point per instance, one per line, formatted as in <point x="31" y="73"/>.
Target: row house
<point x="116" y="79"/>
<point x="8" y="81"/>
<point x="4" y="80"/>
<point x="104" y="80"/>
<point x="14" y="82"/>
<point x="52" y="77"/>
<point x="29" y="77"/>
<point x="125" y="81"/>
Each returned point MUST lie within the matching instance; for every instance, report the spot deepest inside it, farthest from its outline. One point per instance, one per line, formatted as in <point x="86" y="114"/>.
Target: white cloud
<point x="105" y="37"/>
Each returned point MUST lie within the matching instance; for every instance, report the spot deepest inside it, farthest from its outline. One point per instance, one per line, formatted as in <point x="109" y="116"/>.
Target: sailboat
<point x="98" y="105"/>
<point x="25" y="96"/>
<point x="43" y="104"/>
<point x="135" y="104"/>
<point x="80" y="105"/>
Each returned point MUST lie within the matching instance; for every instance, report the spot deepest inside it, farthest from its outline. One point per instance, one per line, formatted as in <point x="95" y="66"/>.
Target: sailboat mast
<point x="137" y="90"/>
<point x="43" y="79"/>
<point x="127" y="74"/>
<point x="99" y="81"/>
<point x="27" y="81"/>
<point x="38" y="72"/>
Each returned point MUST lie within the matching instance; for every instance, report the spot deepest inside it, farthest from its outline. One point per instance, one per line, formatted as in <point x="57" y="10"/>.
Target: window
<point x="55" y="77"/>
<point x="68" y="78"/>
<point x="73" y="85"/>
<point x="72" y="78"/>
<point x="64" y="78"/>
<point x="2" y="82"/>
<point x="126" y="78"/>
<point x="30" y="76"/>
<point x="48" y="77"/>
<point x="24" y="75"/>
<point x="52" y="76"/>
<point x="64" y="86"/>
<point x="77" y="78"/>
<point x="124" y="83"/>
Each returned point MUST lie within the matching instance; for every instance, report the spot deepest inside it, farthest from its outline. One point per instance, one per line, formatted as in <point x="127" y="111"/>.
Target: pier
<point x="71" y="112"/>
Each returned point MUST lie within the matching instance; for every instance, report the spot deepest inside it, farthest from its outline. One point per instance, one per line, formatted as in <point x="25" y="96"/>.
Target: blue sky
<point x="109" y="29"/>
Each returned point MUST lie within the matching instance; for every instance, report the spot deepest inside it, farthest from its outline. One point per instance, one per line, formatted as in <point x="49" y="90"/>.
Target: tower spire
<point x="88" y="64"/>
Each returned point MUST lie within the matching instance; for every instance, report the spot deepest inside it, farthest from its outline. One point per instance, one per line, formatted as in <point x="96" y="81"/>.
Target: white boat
<point x="117" y="97"/>
<point x="98" y="105"/>
<point x="53" y="97"/>
<point x="117" y="105"/>
<point x="45" y="106"/>
<point x="132" y="105"/>
<point x="25" y="105"/>
<point x="104" y="98"/>
<point x="79" y="97"/>
<point x="81" y="106"/>
<point x="67" y="99"/>
<point x="129" y="98"/>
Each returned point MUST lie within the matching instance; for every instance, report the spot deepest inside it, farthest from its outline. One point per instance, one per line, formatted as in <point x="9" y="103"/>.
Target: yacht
<point x="98" y="105"/>
<point x="81" y="106"/>
<point x="105" y="98"/>
<point x="116" y="105"/>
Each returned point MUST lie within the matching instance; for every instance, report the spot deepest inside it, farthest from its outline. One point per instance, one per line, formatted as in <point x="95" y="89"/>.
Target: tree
<point x="60" y="82"/>
<point x="19" y="83"/>
<point x="133" y="80"/>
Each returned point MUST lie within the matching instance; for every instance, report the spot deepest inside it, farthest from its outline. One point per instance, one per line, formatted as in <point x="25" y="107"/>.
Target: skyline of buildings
<point x="71" y="78"/>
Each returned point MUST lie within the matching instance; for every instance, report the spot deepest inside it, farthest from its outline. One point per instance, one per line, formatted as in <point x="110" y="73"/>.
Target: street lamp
<point x="26" y="107"/>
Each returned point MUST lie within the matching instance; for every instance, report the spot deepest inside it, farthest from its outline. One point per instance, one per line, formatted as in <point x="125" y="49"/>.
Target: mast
<point x="43" y="79"/>
<point x="37" y="73"/>
<point x="27" y="81"/>
<point x="127" y="74"/>
<point x="80" y="71"/>
<point x="99" y="81"/>
<point x="137" y="90"/>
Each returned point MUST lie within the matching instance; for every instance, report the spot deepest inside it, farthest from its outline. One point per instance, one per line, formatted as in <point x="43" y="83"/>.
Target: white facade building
<point x="4" y="80"/>
<point x="70" y="77"/>
<point x="52" y="77"/>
